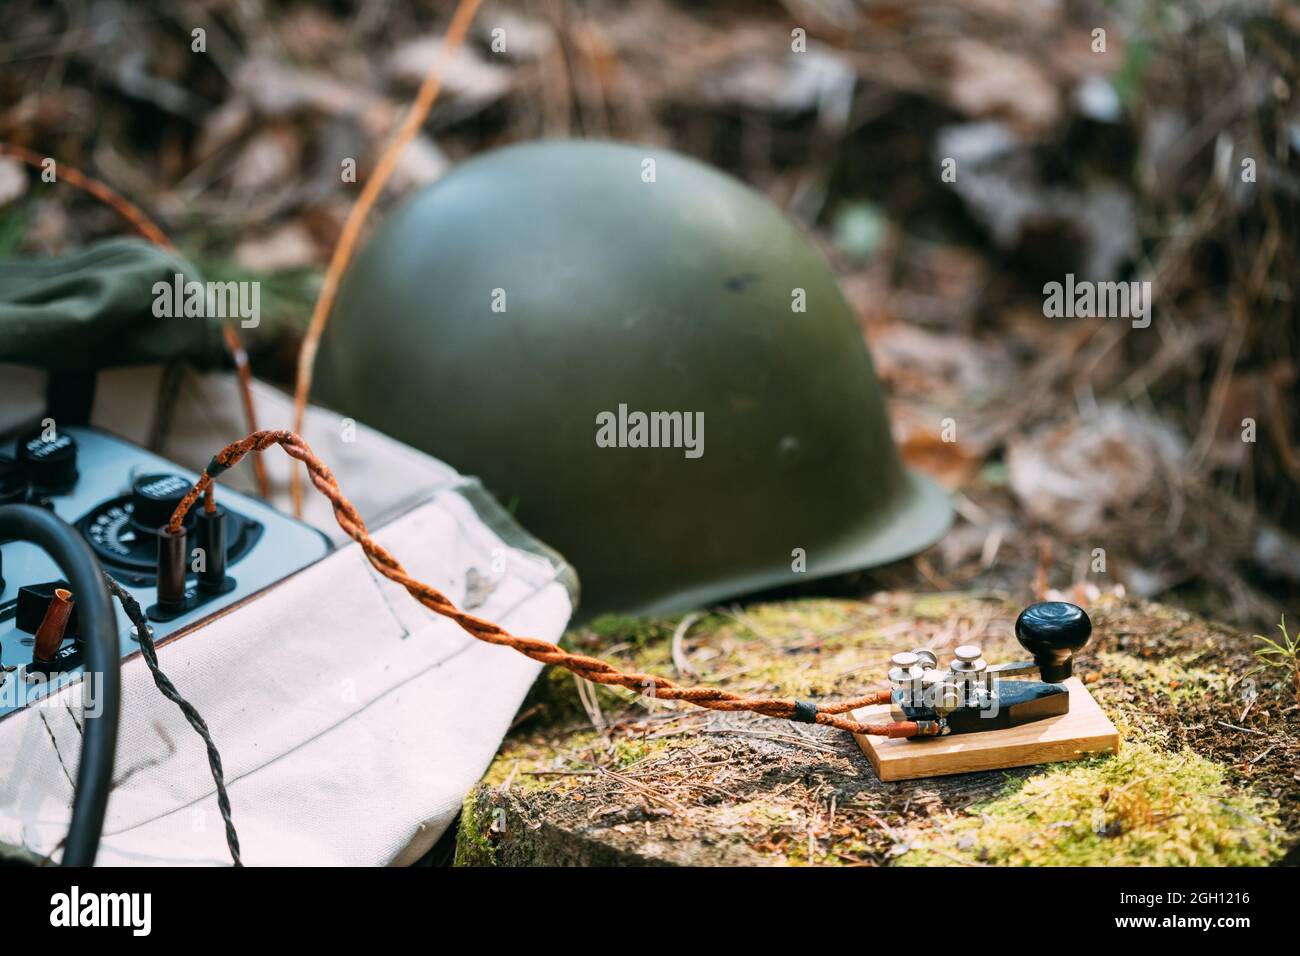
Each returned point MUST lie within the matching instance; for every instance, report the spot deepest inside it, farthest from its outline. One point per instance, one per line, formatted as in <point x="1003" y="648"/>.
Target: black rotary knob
<point x="154" y="498"/>
<point x="1052" y="631"/>
<point x="49" y="461"/>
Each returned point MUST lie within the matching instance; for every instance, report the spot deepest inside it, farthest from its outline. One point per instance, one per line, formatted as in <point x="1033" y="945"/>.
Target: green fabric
<point x="93" y="309"/>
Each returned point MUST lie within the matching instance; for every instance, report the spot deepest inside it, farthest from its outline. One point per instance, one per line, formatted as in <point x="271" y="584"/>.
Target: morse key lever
<point x="972" y="695"/>
<point x="1053" y="631"/>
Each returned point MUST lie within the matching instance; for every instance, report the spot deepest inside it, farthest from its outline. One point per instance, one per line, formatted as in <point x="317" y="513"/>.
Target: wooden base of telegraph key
<point x="1084" y="731"/>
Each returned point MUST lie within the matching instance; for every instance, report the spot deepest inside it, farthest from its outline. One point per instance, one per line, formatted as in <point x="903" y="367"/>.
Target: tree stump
<point x="595" y="776"/>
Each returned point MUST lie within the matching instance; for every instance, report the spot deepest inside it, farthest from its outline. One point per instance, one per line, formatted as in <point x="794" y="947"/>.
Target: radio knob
<point x="49" y="462"/>
<point x="154" y="498"/>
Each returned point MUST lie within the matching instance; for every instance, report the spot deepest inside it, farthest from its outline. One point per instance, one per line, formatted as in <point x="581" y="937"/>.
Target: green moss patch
<point x="1143" y="807"/>
<point x="1177" y="678"/>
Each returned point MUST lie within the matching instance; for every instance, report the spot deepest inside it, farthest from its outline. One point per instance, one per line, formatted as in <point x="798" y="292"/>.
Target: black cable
<point x="132" y="608"/>
<point x="98" y="627"/>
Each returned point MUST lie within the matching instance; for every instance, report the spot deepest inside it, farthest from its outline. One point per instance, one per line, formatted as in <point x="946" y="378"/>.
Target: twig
<point x="1244" y="730"/>
<point x="648" y="791"/>
<point x="587" y="695"/>
<point x="1267" y="750"/>
<point x="780" y="738"/>
<point x="560" y="773"/>
<point x="415" y="117"/>
<point x="680" y="661"/>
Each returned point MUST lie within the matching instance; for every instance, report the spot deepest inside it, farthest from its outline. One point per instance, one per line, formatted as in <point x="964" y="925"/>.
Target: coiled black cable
<point x="150" y="653"/>
<point x="103" y="687"/>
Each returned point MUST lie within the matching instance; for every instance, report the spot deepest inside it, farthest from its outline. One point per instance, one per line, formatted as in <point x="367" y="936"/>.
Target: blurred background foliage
<point x="1121" y="159"/>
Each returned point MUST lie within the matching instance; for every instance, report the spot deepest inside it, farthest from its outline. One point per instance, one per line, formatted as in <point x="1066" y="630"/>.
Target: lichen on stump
<point x="594" y="776"/>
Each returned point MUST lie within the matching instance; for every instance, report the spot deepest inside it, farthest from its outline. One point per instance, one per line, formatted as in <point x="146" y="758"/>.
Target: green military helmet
<point x="514" y="318"/>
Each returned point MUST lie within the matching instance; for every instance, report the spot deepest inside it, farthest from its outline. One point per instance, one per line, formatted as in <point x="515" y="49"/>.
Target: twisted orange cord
<point x="590" y="668"/>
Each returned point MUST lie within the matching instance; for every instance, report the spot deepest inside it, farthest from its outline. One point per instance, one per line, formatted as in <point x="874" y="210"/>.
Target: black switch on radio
<point x="172" y="554"/>
<point x="211" y="535"/>
<point x="50" y="463"/>
<point x="154" y="498"/>
<point x="34" y="602"/>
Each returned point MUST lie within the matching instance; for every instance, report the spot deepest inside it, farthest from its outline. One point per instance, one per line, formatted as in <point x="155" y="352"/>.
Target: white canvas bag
<point x="351" y="720"/>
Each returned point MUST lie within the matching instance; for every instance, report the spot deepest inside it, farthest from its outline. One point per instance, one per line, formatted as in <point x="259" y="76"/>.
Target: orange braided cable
<point x="590" y="668"/>
<point x="147" y="228"/>
<point x="343" y="250"/>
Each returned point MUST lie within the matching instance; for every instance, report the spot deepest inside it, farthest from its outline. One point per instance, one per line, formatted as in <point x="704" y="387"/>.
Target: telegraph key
<point x="973" y="715"/>
<point x="120" y="497"/>
<point x="970" y="696"/>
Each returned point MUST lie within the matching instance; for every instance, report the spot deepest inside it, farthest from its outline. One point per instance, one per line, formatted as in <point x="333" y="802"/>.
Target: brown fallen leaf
<point x="948" y="463"/>
<point x="987" y="82"/>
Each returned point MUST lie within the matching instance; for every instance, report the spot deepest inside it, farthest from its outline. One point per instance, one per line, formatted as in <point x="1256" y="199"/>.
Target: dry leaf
<point x="987" y="82"/>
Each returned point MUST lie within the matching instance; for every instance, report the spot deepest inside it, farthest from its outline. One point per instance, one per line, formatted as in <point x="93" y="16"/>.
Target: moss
<point x="473" y="847"/>
<point x="523" y="763"/>
<point x="1175" y="678"/>
<point x="803" y="617"/>
<point x="617" y="628"/>
<point x="629" y="750"/>
<point x="1142" y="807"/>
<point x="500" y="829"/>
<point x="935" y="607"/>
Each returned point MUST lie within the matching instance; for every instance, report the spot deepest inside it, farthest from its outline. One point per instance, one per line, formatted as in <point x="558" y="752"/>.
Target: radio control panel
<point x="119" y="496"/>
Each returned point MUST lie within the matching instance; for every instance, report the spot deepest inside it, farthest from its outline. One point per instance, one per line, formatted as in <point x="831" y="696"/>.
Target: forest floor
<point x="1206" y="773"/>
<point x="1102" y="461"/>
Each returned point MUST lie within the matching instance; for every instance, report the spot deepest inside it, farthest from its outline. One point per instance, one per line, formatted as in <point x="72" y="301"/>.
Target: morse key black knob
<point x="1052" y="631"/>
